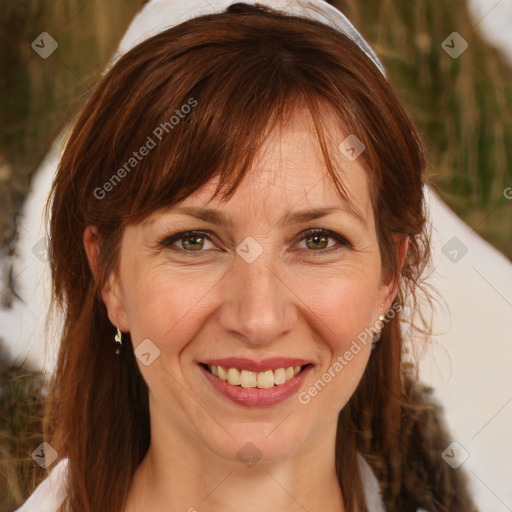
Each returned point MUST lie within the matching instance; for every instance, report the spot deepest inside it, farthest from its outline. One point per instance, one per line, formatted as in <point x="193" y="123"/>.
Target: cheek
<point x="164" y="306"/>
<point x="161" y="308"/>
<point x="343" y="313"/>
<point x="343" y="304"/>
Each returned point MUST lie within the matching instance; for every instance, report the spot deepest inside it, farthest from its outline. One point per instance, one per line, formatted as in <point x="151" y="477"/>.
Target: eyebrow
<point x="293" y="217"/>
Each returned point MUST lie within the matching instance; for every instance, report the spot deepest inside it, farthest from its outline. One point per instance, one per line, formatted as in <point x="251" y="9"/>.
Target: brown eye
<point x="193" y="242"/>
<point x="317" y="240"/>
<point x="189" y="241"/>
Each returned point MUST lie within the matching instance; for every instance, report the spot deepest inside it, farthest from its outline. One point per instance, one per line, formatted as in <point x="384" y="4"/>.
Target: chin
<point x="257" y="443"/>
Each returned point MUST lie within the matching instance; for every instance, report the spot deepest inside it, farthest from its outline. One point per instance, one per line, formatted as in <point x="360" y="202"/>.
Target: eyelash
<point x="169" y="240"/>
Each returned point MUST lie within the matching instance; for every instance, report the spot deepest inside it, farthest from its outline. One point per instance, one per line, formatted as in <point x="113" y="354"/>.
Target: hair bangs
<point x="194" y="128"/>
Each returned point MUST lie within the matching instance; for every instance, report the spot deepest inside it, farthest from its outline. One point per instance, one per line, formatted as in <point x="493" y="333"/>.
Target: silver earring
<point x="118" y="339"/>
<point x="376" y="337"/>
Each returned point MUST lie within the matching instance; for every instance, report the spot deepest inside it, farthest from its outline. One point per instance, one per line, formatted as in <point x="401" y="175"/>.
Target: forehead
<point x="289" y="169"/>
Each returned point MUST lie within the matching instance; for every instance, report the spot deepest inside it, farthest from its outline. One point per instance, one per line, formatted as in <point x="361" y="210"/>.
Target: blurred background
<point x="462" y="106"/>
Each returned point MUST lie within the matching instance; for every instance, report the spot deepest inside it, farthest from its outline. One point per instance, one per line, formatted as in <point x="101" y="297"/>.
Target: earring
<point x="117" y="339"/>
<point x="376" y="337"/>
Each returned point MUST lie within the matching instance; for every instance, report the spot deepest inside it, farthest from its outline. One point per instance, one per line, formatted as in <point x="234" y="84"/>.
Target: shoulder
<point x="50" y="493"/>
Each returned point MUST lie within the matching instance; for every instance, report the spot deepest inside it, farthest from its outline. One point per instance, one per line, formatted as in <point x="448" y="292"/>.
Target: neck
<point x="177" y="474"/>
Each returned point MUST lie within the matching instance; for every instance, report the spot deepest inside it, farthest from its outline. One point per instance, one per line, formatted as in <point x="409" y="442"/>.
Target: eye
<point x="318" y="239"/>
<point x="190" y="241"/>
<point x="193" y="242"/>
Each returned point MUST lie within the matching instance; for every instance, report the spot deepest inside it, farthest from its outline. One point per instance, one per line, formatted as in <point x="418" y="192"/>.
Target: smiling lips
<point x="248" y="379"/>
<point x="256" y="383"/>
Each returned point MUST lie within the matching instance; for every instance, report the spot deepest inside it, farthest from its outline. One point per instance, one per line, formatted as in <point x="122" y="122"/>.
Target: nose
<point x="257" y="303"/>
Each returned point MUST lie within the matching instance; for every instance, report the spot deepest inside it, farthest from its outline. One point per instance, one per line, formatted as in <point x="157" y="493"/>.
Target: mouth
<point x="254" y="379"/>
<point x="253" y="384"/>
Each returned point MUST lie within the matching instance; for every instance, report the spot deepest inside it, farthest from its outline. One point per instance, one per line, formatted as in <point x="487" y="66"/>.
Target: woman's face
<point x="260" y="294"/>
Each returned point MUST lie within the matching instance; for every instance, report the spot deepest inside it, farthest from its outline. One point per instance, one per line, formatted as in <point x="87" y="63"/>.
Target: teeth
<point x="234" y="376"/>
<point x="279" y="376"/>
<point x="223" y="374"/>
<point x="265" y="379"/>
<point x="247" y="379"/>
<point x="261" y="380"/>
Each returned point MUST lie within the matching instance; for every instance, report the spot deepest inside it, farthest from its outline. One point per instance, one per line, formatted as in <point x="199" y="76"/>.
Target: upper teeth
<point x="248" y="379"/>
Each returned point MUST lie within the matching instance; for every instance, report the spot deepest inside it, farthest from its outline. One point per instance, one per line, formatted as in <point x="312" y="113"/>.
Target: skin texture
<point x="299" y="298"/>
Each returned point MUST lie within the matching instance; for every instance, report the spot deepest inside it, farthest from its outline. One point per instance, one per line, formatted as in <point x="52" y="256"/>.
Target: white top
<point x="50" y="493"/>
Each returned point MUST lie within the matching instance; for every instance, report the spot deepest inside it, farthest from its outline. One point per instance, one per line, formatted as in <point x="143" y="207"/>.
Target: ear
<point x="92" y="248"/>
<point x="390" y="289"/>
<point x="110" y="293"/>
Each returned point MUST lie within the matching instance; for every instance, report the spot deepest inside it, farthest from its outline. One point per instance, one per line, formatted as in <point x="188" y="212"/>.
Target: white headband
<point x="172" y="12"/>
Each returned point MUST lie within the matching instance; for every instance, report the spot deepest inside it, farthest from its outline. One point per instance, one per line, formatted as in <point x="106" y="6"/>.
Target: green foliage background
<point x="462" y="106"/>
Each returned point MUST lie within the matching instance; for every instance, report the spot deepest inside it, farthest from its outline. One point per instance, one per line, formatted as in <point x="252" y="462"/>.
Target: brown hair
<point x="240" y="72"/>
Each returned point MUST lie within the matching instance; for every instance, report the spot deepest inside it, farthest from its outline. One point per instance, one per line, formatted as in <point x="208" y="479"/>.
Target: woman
<point x="236" y="223"/>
